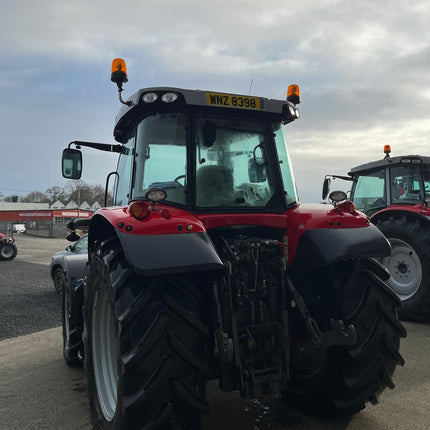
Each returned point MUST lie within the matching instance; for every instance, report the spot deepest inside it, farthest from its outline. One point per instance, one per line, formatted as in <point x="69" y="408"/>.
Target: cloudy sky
<point x="363" y="70"/>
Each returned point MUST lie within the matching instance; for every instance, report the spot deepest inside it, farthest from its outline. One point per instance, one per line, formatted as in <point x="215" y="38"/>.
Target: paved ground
<point x="28" y="301"/>
<point x="38" y="391"/>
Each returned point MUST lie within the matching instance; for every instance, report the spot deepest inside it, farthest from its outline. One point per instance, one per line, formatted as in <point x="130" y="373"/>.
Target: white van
<point x="19" y="228"/>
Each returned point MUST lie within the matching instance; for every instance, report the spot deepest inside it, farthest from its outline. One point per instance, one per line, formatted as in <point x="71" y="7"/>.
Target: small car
<point x="8" y="249"/>
<point x="68" y="266"/>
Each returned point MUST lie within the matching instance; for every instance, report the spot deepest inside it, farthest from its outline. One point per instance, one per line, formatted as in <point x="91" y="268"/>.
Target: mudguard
<point x="420" y="211"/>
<point x="170" y="253"/>
<point x="320" y="247"/>
<point x="75" y="268"/>
<point x="169" y="240"/>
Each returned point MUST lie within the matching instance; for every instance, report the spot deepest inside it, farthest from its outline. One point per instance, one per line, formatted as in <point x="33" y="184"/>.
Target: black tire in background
<point x="344" y="378"/>
<point x="72" y="334"/>
<point x="8" y="251"/>
<point x="409" y="264"/>
<point x="59" y="278"/>
<point x="146" y="352"/>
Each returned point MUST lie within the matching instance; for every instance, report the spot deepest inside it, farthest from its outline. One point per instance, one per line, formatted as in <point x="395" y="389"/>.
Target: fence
<point x="6" y="227"/>
<point x="39" y="228"/>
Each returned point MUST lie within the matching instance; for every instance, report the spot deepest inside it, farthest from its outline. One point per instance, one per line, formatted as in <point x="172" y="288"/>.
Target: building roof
<point x="85" y="206"/>
<point x="58" y="205"/>
<point x="13" y="206"/>
<point x="71" y="205"/>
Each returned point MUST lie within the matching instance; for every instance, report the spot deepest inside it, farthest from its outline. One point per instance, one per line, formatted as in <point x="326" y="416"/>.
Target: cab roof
<point x="237" y="102"/>
<point x="389" y="161"/>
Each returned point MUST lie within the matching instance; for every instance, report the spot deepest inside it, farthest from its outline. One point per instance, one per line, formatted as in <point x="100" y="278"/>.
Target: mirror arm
<point x="99" y="146"/>
<point x="75" y="223"/>
<point x="345" y="178"/>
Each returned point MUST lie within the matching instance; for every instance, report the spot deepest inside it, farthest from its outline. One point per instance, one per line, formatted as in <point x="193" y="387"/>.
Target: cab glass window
<point x="426" y="177"/>
<point x="285" y="164"/>
<point x="161" y="156"/>
<point x="406" y="185"/>
<point x="122" y="181"/>
<point x="232" y="168"/>
<point x="369" y="191"/>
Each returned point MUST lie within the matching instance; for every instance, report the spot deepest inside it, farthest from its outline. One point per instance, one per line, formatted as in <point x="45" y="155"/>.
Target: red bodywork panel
<point x="318" y="216"/>
<point x="163" y="220"/>
<point x="166" y="219"/>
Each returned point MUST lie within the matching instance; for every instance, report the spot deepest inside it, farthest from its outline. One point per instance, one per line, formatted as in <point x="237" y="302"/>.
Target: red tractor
<point x="8" y="249"/>
<point x="395" y="193"/>
<point x="207" y="267"/>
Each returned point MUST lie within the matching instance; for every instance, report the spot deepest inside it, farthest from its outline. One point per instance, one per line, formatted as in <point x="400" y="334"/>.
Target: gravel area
<point x="28" y="301"/>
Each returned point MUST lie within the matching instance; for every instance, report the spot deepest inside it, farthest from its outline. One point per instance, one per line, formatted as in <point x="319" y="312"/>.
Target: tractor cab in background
<point x="394" y="193"/>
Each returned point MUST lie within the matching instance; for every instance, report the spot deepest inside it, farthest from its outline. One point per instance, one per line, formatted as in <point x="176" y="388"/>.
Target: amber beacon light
<point x="119" y="71"/>
<point x="119" y="76"/>
<point x="293" y="94"/>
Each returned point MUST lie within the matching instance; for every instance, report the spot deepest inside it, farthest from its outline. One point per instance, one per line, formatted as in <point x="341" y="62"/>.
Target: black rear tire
<point x="146" y="352"/>
<point x="409" y="264"/>
<point x="8" y="251"/>
<point x="344" y="378"/>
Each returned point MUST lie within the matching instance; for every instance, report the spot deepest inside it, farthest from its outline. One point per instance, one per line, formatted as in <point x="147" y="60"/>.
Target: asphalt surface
<point x="38" y="390"/>
<point x="28" y="301"/>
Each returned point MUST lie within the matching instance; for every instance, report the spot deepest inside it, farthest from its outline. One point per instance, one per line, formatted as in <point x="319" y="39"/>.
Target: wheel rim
<point x="405" y="269"/>
<point x="104" y="354"/>
<point x="59" y="280"/>
<point x="7" y="251"/>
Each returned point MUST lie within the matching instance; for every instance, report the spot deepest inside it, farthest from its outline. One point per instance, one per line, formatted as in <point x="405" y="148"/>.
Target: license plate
<point x="231" y="100"/>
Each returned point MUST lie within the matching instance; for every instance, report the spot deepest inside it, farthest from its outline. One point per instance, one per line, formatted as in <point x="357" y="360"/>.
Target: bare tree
<point x="79" y="191"/>
<point x="56" y="193"/>
<point x="35" y="197"/>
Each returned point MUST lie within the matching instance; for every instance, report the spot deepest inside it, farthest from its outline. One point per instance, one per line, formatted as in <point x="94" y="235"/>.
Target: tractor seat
<point x="214" y="186"/>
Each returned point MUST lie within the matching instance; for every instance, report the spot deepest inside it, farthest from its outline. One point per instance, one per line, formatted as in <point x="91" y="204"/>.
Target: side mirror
<point x="326" y="188"/>
<point x="72" y="163"/>
<point x="256" y="172"/>
<point x="258" y="155"/>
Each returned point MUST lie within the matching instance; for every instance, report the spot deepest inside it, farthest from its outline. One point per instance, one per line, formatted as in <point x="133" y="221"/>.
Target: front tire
<point x="409" y="265"/>
<point x="146" y="354"/>
<point x="8" y="251"/>
<point x="343" y="378"/>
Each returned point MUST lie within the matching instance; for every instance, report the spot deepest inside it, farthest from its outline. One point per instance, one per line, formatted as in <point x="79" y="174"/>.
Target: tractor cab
<point x="395" y="194"/>
<point x="200" y="150"/>
<point x="402" y="180"/>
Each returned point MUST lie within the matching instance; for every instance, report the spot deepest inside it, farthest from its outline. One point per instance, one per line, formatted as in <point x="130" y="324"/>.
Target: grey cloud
<point x="362" y="68"/>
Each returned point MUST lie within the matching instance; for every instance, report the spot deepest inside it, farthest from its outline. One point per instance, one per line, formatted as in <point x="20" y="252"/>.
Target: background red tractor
<point x="395" y="193"/>
<point x="8" y="249"/>
<point x="207" y="267"/>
